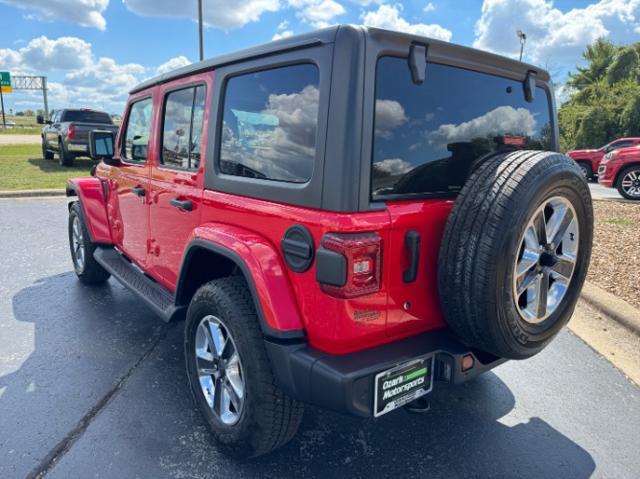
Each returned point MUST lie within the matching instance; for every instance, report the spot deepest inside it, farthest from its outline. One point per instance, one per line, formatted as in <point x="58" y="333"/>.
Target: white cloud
<point x="319" y="13"/>
<point x="388" y="17"/>
<point x="173" y="64"/>
<point x="283" y="31"/>
<point x="389" y="116"/>
<point x="553" y="35"/>
<point x="65" y="53"/>
<point x="85" y="12"/>
<point x="429" y="7"/>
<point x="501" y="119"/>
<point x="393" y="166"/>
<point x="223" y="14"/>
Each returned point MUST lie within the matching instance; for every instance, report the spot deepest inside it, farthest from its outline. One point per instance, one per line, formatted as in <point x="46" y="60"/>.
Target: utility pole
<point x="4" y="120"/>
<point x="200" y="29"/>
<point x="523" y="39"/>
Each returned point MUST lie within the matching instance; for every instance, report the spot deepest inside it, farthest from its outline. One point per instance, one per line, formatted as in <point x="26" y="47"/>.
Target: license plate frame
<point x="389" y="380"/>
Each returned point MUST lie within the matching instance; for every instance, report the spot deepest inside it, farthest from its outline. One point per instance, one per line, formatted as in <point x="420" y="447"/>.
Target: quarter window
<point x="429" y="137"/>
<point x="182" y="128"/>
<point x="269" y="124"/>
<point x="136" y="141"/>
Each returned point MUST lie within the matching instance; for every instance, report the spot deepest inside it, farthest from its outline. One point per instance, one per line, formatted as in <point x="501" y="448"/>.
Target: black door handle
<point x="184" y="205"/>
<point x="139" y="190"/>
<point x="412" y="242"/>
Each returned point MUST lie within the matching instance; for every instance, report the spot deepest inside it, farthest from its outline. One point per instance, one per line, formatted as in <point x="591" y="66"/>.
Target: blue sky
<point x="93" y="51"/>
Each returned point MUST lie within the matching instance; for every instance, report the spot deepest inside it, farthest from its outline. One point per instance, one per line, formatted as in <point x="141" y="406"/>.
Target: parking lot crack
<point x="67" y="442"/>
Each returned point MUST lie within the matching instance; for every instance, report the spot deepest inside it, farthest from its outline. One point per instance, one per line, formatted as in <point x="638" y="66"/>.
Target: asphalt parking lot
<point x="92" y="385"/>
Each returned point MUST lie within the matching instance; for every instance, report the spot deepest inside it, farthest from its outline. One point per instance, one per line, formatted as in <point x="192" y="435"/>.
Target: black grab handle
<point x="412" y="242"/>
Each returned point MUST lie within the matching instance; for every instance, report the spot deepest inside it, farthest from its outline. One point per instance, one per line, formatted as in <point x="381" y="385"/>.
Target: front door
<point x="128" y="204"/>
<point x="176" y="180"/>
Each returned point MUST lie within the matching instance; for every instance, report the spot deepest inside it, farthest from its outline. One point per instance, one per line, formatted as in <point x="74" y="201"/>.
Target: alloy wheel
<point x="78" y="243"/>
<point x="219" y="370"/>
<point x="546" y="260"/>
<point x="631" y="183"/>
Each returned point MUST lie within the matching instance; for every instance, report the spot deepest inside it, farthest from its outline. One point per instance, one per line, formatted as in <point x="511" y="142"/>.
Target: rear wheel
<point x="515" y="252"/>
<point x="629" y="183"/>
<point x="46" y="154"/>
<point x="64" y="158"/>
<point x="230" y="374"/>
<point x="88" y="270"/>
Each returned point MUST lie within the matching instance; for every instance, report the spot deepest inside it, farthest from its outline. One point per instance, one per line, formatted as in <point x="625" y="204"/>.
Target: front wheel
<point x="88" y="270"/>
<point x="46" y="154"/>
<point x="586" y="169"/>
<point x="629" y="183"/>
<point x="230" y="374"/>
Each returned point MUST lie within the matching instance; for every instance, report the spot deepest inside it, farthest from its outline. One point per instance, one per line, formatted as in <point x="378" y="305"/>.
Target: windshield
<point x="428" y="137"/>
<point x="83" y="116"/>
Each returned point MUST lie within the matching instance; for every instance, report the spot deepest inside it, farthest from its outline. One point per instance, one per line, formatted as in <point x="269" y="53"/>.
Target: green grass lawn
<point x="20" y="130"/>
<point x="23" y="168"/>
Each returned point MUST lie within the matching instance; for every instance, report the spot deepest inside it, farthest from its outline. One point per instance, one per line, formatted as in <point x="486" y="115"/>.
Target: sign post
<point x="5" y="87"/>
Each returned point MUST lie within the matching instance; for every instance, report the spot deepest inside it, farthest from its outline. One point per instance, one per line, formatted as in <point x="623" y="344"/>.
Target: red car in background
<point x="589" y="160"/>
<point x="621" y="169"/>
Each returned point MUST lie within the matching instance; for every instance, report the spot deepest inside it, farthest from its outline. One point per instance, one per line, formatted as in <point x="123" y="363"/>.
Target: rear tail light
<point x="349" y="265"/>
<point x="72" y="131"/>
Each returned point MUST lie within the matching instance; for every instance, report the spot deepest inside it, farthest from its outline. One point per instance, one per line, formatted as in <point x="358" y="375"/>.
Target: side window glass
<point x="269" y="124"/>
<point x="136" y="141"/>
<point x="620" y="144"/>
<point x="182" y="130"/>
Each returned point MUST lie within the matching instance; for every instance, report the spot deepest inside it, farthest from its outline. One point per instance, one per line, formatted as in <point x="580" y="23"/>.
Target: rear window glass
<point x="86" y="116"/>
<point x="428" y="137"/>
<point x="269" y="124"/>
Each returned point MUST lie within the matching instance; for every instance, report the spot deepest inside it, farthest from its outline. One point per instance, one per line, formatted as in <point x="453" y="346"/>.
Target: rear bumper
<point x="346" y="383"/>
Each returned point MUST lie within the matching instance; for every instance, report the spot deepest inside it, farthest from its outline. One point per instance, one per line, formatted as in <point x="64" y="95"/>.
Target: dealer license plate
<point x="402" y="384"/>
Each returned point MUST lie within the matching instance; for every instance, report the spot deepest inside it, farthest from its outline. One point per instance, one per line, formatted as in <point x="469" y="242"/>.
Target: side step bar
<point x="158" y="298"/>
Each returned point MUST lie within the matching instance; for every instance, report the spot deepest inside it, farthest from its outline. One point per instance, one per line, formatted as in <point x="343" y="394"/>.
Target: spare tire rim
<point x="219" y="370"/>
<point x="631" y="183"/>
<point x="546" y="259"/>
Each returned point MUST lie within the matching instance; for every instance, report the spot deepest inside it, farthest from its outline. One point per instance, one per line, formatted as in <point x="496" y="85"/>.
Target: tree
<point x="599" y="55"/>
<point x="595" y="128"/>
<point x="630" y="118"/>
<point x="624" y="66"/>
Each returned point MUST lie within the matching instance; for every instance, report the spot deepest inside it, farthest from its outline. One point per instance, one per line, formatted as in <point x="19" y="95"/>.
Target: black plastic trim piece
<point x="331" y="267"/>
<point x="239" y="262"/>
<point x="418" y="63"/>
<point x="412" y="243"/>
<point x="298" y="248"/>
<point x="344" y="383"/>
<point x="530" y="86"/>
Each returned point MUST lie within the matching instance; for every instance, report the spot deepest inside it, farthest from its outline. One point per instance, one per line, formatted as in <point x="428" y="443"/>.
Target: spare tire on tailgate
<point x="515" y="252"/>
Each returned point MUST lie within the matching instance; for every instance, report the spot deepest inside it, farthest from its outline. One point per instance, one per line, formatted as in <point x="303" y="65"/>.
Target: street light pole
<point x="523" y="39"/>
<point x="200" y="29"/>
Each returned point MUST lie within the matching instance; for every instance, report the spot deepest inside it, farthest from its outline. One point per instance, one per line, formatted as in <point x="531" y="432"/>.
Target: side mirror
<point x="101" y="147"/>
<point x="40" y="119"/>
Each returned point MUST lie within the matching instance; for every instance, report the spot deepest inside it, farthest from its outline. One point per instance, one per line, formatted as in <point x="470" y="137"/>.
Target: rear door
<point x="128" y="203"/>
<point x="428" y="139"/>
<point x="177" y="176"/>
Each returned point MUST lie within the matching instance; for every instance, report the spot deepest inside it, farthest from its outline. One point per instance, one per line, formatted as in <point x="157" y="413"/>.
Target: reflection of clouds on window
<point x="389" y="116"/>
<point x="501" y="120"/>
<point x="272" y="137"/>
<point x="392" y="166"/>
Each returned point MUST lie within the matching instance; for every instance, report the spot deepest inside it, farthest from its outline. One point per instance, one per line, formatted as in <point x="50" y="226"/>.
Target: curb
<point x="612" y="306"/>
<point x="31" y="193"/>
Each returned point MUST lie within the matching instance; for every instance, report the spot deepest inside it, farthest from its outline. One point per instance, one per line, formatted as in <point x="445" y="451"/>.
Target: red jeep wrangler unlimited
<point x="344" y="218"/>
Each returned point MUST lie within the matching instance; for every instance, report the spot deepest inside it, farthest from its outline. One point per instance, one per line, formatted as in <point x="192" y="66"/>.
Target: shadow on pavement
<point x="82" y="339"/>
<point x="85" y="337"/>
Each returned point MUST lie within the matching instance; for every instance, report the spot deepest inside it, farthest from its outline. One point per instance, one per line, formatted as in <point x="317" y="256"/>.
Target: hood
<point x="579" y="152"/>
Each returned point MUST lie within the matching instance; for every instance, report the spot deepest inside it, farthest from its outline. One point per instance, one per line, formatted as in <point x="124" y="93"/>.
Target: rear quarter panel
<point x="89" y="191"/>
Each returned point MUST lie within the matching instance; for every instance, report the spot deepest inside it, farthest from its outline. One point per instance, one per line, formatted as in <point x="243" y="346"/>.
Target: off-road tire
<point x="623" y="173"/>
<point x="64" y="158"/>
<point x="90" y="271"/>
<point x="269" y="418"/>
<point x="481" y="244"/>
<point x="46" y="154"/>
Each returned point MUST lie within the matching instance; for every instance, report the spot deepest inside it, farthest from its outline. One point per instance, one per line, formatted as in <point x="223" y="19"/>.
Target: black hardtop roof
<point x="328" y="35"/>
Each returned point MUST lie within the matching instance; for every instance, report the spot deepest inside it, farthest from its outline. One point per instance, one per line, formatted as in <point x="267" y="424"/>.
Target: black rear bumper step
<point x="344" y="383"/>
<point x="158" y="298"/>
